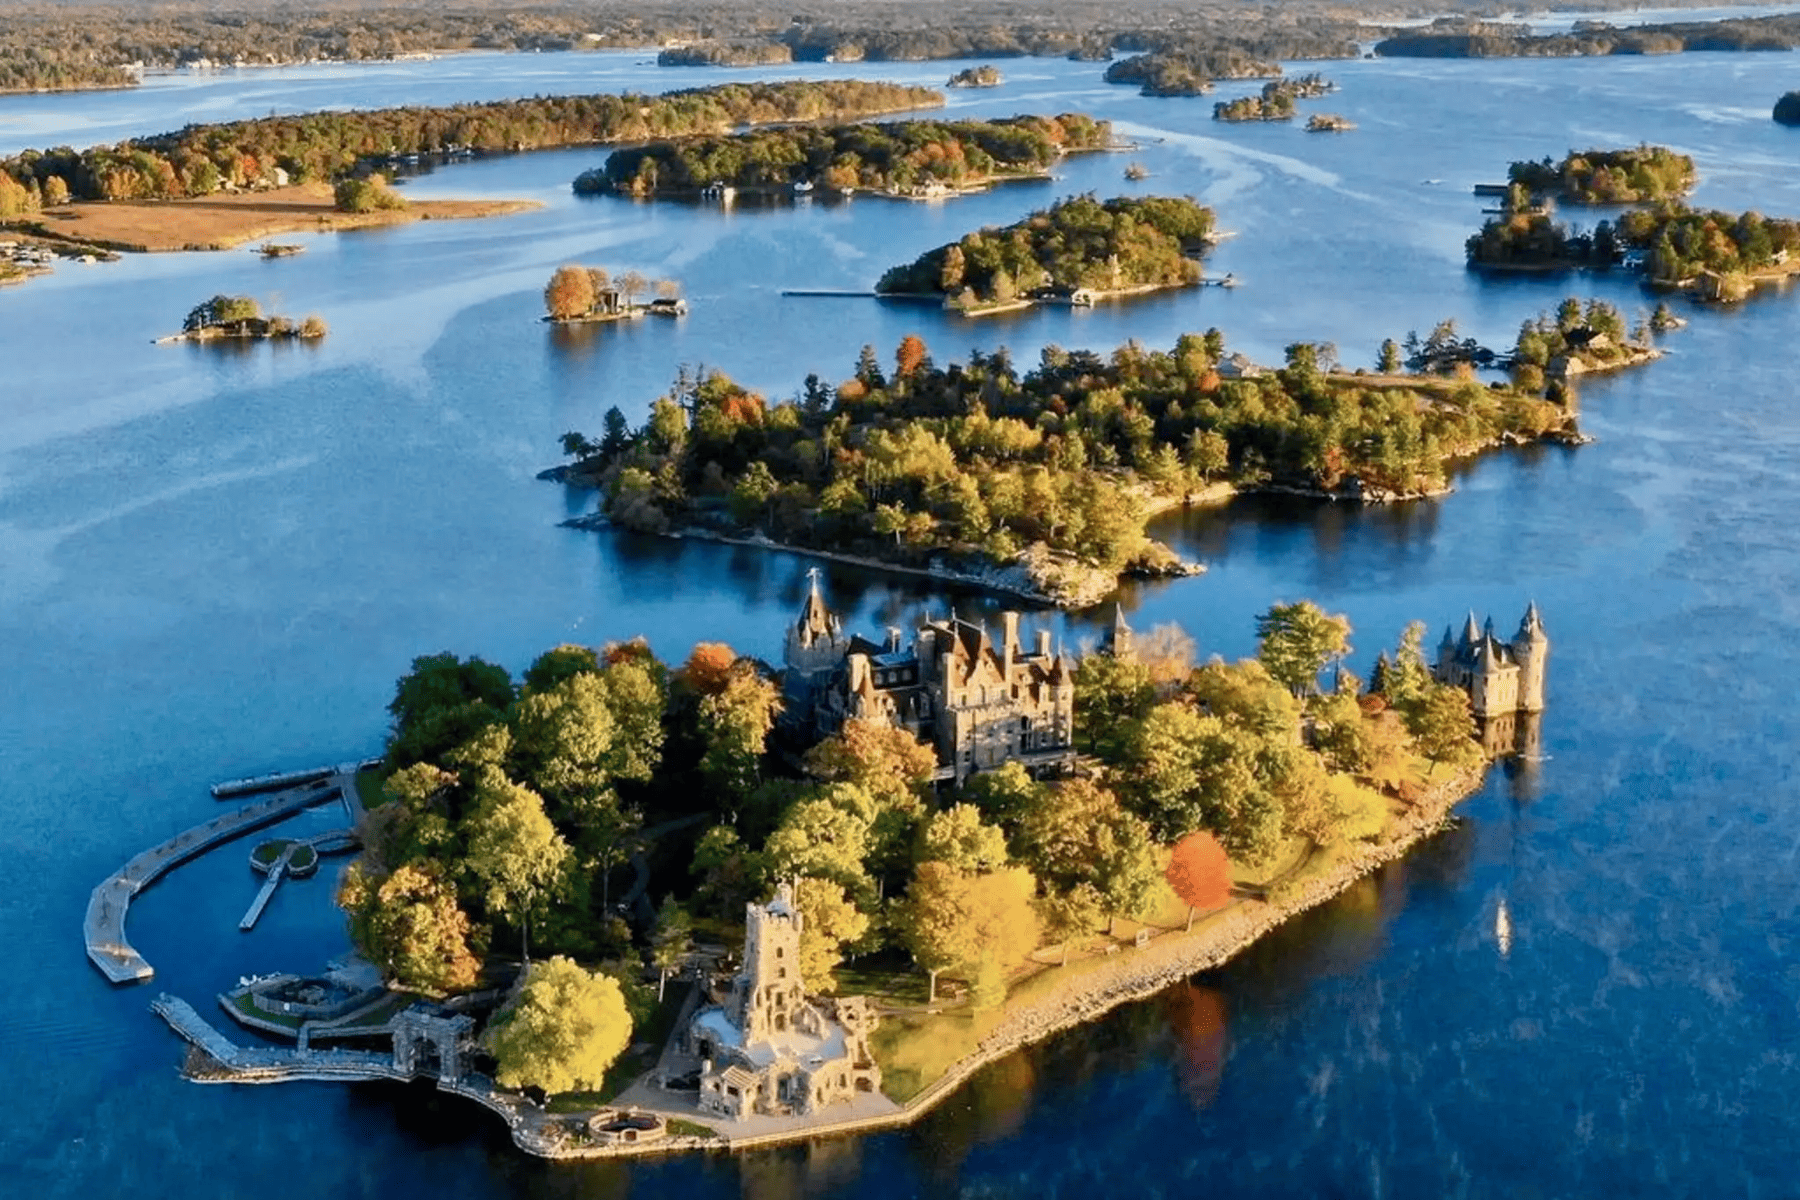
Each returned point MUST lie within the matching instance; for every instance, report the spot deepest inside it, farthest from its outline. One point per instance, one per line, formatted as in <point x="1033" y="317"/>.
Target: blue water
<point x="216" y="563"/>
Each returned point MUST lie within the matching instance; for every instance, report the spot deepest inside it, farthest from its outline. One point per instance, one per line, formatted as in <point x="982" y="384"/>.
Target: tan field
<point x="221" y="222"/>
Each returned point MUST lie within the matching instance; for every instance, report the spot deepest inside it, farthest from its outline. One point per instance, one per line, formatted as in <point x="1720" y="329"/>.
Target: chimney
<point x="1043" y="643"/>
<point x="1009" y="622"/>
<point x="893" y="639"/>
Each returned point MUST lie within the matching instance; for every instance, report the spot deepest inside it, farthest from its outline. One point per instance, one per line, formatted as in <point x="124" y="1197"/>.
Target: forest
<point x="1669" y="243"/>
<point x="512" y="813"/>
<point x="898" y="156"/>
<point x="1187" y="73"/>
<point x="977" y="463"/>
<point x="202" y="159"/>
<point x="1458" y="37"/>
<point x="1079" y="243"/>
<point x="1636" y="175"/>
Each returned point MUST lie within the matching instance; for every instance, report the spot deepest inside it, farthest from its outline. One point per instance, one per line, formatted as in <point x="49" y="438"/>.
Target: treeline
<point x="1187" y="73"/>
<point x="510" y="805"/>
<point x="1076" y="243"/>
<point x="899" y="155"/>
<point x="1455" y="37"/>
<point x="1670" y="243"/>
<point x="1639" y="174"/>
<point x="978" y="461"/>
<point x="202" y="159"/>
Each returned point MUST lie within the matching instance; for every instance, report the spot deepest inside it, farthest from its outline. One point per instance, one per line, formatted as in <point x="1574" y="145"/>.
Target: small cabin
<point x="666" y="306"/>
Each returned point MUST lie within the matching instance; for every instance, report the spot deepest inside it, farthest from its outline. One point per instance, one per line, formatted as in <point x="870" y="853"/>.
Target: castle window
<point x="778" y="952"/>
<point x="781" y="972"/>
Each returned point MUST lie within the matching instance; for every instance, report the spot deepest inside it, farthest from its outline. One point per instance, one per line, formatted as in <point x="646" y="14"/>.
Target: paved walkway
<point x="104" y="926"/>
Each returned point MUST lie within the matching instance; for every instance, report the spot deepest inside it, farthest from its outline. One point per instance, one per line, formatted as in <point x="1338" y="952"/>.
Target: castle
<point x="768" y="1049"/>
<point x="978" y="702"/>
<point x="1504" y="680"/>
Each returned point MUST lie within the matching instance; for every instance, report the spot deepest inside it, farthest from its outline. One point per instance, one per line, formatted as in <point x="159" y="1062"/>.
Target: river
<point x="216" y="563"/>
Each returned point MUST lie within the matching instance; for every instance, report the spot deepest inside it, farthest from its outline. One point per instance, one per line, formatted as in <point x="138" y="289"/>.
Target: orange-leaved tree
<point x="708" y="669"/>
<point x="1199" y="871"/>
<point x="569" y="294"/>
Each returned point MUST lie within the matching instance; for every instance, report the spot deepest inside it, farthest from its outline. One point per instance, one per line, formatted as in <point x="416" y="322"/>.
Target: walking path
<point x="104" y="926"/>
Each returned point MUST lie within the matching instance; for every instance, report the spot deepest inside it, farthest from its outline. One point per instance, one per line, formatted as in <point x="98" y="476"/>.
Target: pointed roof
<point x="1471" y="632"/>
<point x="1531" y="625"/>
<point x="815" y="618"/>
<point x="1449" y="639"/>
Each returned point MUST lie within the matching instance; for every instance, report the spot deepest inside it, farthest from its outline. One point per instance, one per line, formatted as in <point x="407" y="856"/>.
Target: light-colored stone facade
<point x="1501" y="678"/>
<point x="980" y="703"/>
<point x="768" y="1049"/>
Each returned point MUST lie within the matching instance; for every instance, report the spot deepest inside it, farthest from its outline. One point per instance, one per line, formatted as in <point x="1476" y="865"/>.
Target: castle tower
<point x="767" y="992"/>
<point x="816" y="641"/>
<point x="1118" y="640"/>
<point x="1531" y="648"/>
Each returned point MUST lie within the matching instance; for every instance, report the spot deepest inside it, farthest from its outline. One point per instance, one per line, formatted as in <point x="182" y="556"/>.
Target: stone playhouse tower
<point x="766" y="1049"/>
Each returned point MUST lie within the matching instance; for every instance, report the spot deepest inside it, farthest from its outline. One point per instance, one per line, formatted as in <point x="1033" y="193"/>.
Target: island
<point x="579" y="295"/>
<point x="984" y="76"/>
<point x="1075" y="252"/>
<point x="1787" y="109"/>
<point x="1000" y="868"/>
<point x="1038" y="485"/>
<point x="1276" y="100"/>
<point x="1636" y="175"/>
<point x="1462" y="37"/>
<point x="1329" y="123"/>
<point x="1178" y="73"/>
<point x="912" y="159"/>
<point x="241" y="318"/>
<point x="214" y="186"/>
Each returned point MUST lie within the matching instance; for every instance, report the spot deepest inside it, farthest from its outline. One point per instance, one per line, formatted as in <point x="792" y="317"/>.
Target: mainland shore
<point x="221" y="222"/>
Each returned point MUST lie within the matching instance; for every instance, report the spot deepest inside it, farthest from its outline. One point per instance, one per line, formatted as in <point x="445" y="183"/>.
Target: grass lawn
<point x="369" y="786"/>
<point x="244" y="1005"/>
<point x="681" y="1128"/>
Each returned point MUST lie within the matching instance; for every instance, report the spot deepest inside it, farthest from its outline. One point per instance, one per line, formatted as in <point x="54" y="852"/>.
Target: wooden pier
<point x="104" y="926"/>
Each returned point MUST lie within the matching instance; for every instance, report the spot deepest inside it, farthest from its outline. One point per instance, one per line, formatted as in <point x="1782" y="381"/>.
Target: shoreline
<point x="1135" y="974"/>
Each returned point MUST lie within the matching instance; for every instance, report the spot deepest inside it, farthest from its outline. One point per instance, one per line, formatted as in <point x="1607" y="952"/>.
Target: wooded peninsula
<point x="900" y="157"/>
<point x="1080" y="245"/>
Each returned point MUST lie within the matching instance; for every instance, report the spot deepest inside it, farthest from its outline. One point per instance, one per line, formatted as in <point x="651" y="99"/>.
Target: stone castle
<point x="1504" y="680"/>
<point x="979" y="702"/>
<point x="769" y="1050"/>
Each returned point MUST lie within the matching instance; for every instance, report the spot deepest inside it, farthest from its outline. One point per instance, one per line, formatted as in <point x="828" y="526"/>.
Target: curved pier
<point x="104" y="926"/>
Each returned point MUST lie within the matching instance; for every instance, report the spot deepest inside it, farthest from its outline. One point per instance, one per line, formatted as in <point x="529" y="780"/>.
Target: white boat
<point x="1503" y="930"/>
<point x="803" y="186"/>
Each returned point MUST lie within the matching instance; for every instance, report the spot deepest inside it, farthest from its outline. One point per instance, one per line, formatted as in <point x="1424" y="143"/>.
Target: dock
<point x="108" y="905"/>
<point x="263" y="896"/>
<point x="231" y="789"/>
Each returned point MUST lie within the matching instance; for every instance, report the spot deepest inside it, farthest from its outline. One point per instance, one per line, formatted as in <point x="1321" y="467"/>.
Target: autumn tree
<point x="561" y="1031"/>
<point x="1199" y="871"/>
<point x="951" y="920"/>
<point x="570" y="293"/>
<point x="958" y="836"/>
<point x="410" y="925"/>
<point x="1443" y="726"/>
<point x="1110" y="694"/>
<point x="630" y="284"/>
<point x="1297" y="641"/>
<point x="708" y="668"/>
<point x="910" y="356"/>
<point x="830" y="920"/>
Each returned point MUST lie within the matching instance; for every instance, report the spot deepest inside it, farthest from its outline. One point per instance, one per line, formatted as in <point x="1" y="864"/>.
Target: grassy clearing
<point x="681" y="1128"/>
<point x="245" y="1005"/>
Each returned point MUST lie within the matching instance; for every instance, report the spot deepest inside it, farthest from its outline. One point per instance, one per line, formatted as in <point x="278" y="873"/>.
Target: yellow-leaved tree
<point x="562" y="1031"/>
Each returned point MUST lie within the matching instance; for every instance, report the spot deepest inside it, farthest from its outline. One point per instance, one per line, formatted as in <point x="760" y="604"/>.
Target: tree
<point x="1199" y="871"/>
<point x="734" y="725"/>
<point x="442" y="703"/>
<point x="562" y="1031"/>
<point x="409" y="924"/>
<point x="910" y="356"/>
<point x="1185" y="771"/>
<point x="1390" y="362"/>
<point x="516" y="853"/>
<point x="708" y="668"/>
<point x="829" y="921"/>
<point x="958" y="836"/>
<point x="823" y="836"/>
<point x="366" y="195"/>
<point x="1297" y="641"/>
<point x="953" y="920"/>
<point x="670" y="941"/>
<point x="630" y="284"/>
<point x="570" y="293"/>
<point x="1110" y="694"/>
<point x="1443" y="726"/>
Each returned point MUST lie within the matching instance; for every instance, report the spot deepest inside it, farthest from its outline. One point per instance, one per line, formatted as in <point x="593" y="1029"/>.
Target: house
<point x="1236" y="366"/>
<point x="980" y="702"/>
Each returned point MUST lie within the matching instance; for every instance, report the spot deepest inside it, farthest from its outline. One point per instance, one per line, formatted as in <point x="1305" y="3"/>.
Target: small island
<point x="1636" y="175"/>
<point x="1000" y="868"/>
<point x="1276" y="100"/>
<point x="241" y="318"/>
<point x="280" y="249"/>
<point x="910" y="159"/>
<point x="1187" y="73"/>
<point x="1329" y="123"/>
<point x="1074" y="252"/>
<point x="1787" y="109"/>
<point x="977" y="77"/>
<point x="579" y="295"/>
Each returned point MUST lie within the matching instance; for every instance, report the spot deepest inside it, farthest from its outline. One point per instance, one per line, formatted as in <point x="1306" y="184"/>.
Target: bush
<point x="366" y="195"/>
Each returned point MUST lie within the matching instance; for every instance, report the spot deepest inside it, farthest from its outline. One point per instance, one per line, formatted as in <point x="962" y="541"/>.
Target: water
<point x="214" y="564"/>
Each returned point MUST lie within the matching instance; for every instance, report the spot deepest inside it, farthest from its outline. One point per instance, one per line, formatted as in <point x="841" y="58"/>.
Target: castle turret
<point x="815" y="642"/>
<point x="1471" y="633"/>
<point x="768" y="992"/>
<point x="1531" y="649"/>
<point x="1118" y="640"/>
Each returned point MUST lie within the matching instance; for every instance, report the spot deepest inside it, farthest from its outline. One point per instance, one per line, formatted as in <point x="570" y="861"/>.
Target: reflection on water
<point x="1197" y="1019"/>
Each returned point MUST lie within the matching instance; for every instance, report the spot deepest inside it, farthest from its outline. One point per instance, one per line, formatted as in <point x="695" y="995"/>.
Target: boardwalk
<point x="104" y="927"/>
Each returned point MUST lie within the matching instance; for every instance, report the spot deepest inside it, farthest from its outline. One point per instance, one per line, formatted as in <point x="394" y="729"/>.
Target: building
<point x="769" y="1050"/>
<point x="1500" y="677"/>
<point x="979" y="702"/>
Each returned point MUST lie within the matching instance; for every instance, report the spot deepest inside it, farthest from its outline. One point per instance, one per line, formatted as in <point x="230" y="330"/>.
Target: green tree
<point x="1442" y="726"/>
<point x="1297" y="641"/>
<point x="958" y="836"/>
<point x="830" y="920"/>
<point x="515" y="853"/>
<point x="1390" y="362"/>
<point x="409" y="924"/>
<point x="562" y="1030"/>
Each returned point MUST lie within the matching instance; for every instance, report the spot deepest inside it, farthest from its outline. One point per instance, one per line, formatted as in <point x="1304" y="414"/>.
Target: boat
<point x="1503" y="933"/>
<point x="803" y="186"/>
